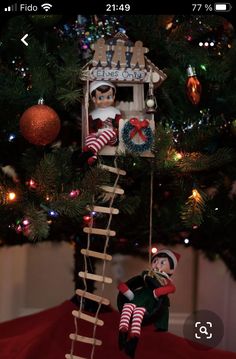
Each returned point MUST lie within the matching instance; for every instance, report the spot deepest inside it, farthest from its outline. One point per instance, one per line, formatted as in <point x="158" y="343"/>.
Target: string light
<point x="53" y="213"/>
<point x="11" y="196"/>
<point x="154" y="250"/>
<point x="25" y="222"/>
<point x="177" y="156"/>
<point x="74" y="193"/>
<point x="18" y="229"/>
<point x="196" y="195"/>
<point x="11" y="137"/>
<point x="32" y="184"/>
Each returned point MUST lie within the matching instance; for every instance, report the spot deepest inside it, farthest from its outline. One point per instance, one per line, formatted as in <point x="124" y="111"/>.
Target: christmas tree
<point x="191" y="178"/>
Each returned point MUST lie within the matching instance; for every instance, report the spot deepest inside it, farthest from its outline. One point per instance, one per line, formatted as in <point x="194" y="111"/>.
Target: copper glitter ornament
<point x="40" y="125"/>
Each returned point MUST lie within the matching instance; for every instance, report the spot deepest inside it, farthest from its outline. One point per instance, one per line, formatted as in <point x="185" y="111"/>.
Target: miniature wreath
<point x="142" y="128"/>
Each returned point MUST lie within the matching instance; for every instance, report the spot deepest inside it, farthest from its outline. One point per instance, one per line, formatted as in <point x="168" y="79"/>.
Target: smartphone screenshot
<point x="117" y="180"/>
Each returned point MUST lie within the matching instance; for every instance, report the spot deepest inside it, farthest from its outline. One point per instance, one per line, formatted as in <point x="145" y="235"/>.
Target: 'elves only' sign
<point x="128" y="74"/>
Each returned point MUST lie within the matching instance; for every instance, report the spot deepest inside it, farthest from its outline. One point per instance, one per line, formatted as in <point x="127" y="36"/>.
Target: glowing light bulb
<point x="193" y="86"/>
<point x="154" y="250"/>
<point x="11" y="196"/>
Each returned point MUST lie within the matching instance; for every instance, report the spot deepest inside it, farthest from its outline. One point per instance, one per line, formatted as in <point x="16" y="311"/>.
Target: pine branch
<point x="129" y="205"/>
<point x="38" y="227"/>
<point x="192" y="211"/>
<point x="46" y="175"/>
<point x="68" y="77"/>
<point x="69" y="97"/>
<point x="71" y="208"/>
<point x="196" y="162"/>
<point x="161" y="146"/>
<point x="93" y="180"/>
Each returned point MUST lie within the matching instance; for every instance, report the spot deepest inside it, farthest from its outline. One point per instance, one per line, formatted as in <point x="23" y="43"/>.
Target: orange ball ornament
<point x="40" y="125"/>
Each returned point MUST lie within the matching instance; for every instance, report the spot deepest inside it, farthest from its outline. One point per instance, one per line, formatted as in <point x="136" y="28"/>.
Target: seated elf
<point x="144" y="299"/>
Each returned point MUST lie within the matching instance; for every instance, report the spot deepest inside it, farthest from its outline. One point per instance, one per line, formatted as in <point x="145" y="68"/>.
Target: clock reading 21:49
<point x="117" y="7"/>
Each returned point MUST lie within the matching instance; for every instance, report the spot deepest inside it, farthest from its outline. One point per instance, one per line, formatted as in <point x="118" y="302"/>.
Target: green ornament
<point x="45" y="20"/>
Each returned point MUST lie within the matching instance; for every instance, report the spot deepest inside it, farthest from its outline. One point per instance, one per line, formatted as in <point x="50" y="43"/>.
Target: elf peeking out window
<point x="103" y="121"/>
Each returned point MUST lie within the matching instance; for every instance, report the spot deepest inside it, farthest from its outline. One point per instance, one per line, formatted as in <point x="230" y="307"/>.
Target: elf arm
<point x="126" y="291"/>
<point x="94" y="125"/>
<point x="167" y="289"/>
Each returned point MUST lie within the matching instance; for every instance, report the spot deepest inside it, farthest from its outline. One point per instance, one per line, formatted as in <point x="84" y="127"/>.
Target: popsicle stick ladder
<point x="107" y="232"/>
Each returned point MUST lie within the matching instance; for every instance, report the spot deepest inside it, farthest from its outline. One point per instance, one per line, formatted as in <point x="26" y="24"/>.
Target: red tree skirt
<point x="45" y="335"/>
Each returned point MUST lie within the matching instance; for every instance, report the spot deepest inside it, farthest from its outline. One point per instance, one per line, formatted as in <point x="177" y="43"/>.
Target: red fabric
<point x="122" y="287"/>
<point x="166" y="289"/>
<point x="45" y="335"/>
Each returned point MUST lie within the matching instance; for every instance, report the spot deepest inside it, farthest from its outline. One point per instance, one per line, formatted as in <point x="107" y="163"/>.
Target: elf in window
<point x="144" y="299"/>
<point x="103" y="120"/>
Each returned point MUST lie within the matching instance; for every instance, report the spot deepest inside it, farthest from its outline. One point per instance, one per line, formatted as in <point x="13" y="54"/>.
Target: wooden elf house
<point x="124" y="63"/>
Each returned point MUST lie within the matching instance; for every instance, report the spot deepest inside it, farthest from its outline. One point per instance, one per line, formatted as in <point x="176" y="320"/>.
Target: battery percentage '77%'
<point x="202" y="7"/>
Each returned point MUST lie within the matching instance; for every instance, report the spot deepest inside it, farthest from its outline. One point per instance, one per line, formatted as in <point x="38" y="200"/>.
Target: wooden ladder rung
<point x="109" y="210"/>
<point x="113" y="170"/>
<point x="69" y="356"/>
<point x="104" y="256"/>
<point x="112" y="189"/>
<point x="96" y="277"/>
<point x="94" y="297"/>
<point x="86" y="340"/>
<point x="87" y="318"/>
<point x="99" y="231"/>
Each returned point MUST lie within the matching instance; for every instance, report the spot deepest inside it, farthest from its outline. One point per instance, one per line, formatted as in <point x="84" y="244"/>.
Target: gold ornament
<point x="40" y="125"/>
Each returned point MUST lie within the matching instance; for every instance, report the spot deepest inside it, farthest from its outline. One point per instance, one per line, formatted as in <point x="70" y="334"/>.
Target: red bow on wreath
<point x="138" y="127"/>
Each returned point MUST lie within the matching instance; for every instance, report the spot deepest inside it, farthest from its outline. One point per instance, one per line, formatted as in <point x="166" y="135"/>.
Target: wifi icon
<point x="46" y="6"/>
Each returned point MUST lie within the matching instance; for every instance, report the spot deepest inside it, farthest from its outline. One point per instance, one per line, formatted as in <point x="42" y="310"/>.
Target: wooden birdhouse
<point x="124" y="65"/>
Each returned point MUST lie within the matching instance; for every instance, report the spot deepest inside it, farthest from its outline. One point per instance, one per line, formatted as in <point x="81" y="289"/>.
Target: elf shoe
<point x="131" y="346"/>
<point x="123" y="335"/>
<point x="80" y="159"/>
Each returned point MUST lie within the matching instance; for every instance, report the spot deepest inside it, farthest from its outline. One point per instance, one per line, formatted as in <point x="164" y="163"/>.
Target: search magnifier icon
<point x="203" y="330"/>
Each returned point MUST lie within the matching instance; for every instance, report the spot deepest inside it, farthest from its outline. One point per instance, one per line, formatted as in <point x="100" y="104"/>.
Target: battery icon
<point x="223" y="7"/>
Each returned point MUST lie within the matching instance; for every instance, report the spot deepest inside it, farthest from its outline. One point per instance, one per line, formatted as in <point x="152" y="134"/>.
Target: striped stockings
<point x="137" y="313"/>
<point x="96" y="142"/>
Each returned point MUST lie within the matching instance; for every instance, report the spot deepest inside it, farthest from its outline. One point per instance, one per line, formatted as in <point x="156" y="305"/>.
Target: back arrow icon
<point x="23" y="39"/>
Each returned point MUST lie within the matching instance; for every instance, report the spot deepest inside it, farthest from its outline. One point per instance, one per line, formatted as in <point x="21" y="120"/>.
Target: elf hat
<point x="95" y="84"/>
<point x="173" y="255"/>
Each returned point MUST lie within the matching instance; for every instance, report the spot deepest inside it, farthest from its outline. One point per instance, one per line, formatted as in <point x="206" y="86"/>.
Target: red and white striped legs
<point x="96" y="142"/>
<point x="132" y="313"/>
<point x="126" y="314"/>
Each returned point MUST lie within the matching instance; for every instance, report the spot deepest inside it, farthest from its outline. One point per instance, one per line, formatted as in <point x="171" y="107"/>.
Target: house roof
<point x="118" y="59"/>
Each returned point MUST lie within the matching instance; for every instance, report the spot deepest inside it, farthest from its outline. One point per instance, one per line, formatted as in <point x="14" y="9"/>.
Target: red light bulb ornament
<point x="193" y="86"/>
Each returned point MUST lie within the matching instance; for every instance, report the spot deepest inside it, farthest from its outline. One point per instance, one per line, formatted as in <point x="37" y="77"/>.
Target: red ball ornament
<point x="40" y="125"/>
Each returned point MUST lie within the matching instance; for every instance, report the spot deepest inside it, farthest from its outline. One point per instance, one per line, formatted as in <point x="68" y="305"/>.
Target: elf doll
<point x="103" y="120"/>
<point x="144" y="299"/>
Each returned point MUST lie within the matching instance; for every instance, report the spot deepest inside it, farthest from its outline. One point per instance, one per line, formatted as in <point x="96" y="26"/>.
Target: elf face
<point x="161" y="264"/>
<point x="105" y="99"/>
